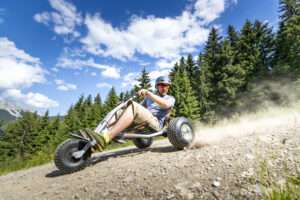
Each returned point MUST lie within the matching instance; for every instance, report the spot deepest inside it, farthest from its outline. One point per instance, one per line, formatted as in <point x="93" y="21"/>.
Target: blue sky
<point x="52" y="51"/>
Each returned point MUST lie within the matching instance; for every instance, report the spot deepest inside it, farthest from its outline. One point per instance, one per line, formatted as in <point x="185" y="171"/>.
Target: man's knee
<point x="135" y="107"/>
<point x="133" y="104"/>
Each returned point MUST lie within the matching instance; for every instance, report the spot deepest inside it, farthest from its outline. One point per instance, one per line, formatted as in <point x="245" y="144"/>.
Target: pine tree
<point x="122" y="96"/>
<point x="175" y="91"/>
<point x="89" y="116"/>
<point x="8" y="147"/>
<point x="186" y="103"/>
<point x="197" y="83"/>
<point x="287" y="59"/>
<point x="143" y="83"/>
<point x="20" y="137"/>
<point x="72" y="121"/>
<point x="230" y="81"/>
<point x="44" y="134"/>
<point x="190" y="66"/>
<point x="127" y="95"/>
<point x="88" y="101"/>
<point x="248" y="52"/>
<point x="79" y="103"/>
<point x="233" y="39"/>
<point x="265" y="41"/>
<point x="79" y="110"/>
<point x="144" y="80"/>
<point x="97" y="110"/>
<point x="44" y="121"/>
<point x="182" y="64"/>
<point x="209" y="76"/>
<point x="112" y="100"/>
<point x="192" y="71"/>
<point x="57" y="132"/>
<point x="233" y="36"/>
<point x="174" y="70"/>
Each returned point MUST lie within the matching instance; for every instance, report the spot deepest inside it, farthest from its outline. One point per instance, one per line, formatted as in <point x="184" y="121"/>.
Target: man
<point x="153" y="110"/>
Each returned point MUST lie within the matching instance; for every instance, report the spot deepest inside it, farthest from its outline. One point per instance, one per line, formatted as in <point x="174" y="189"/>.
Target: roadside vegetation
<point x="240" y="72"/>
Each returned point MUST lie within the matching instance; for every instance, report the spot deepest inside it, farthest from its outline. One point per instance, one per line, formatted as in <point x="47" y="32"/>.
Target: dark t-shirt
<point x="156" y="110"/>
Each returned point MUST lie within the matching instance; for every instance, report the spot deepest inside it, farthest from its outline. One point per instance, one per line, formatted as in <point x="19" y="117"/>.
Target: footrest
<point x="88" y="133"/>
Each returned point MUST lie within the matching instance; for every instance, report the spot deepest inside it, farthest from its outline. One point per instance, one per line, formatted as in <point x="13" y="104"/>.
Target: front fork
<point x="90" y="142"/>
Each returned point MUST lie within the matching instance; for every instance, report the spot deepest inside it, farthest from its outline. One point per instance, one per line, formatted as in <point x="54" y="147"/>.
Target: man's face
<point x="163" y="88"/>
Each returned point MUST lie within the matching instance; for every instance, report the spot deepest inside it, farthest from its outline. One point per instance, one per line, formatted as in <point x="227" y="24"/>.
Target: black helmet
<point x="162" y="79"/>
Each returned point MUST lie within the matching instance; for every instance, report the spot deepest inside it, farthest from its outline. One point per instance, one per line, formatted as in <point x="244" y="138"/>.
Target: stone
<point x="216" y="184"/>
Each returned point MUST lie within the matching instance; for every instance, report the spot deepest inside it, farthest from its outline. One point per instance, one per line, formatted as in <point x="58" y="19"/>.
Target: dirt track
<point x="227" y="169"/>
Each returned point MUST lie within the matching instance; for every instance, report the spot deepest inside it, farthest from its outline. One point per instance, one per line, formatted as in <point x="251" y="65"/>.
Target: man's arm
<point x="163" y="103"/>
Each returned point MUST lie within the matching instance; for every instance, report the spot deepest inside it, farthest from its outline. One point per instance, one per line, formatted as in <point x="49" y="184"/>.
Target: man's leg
<point x="116" y="125"/>
<point x="133" y="113"/>
<point x="122" y="123"/>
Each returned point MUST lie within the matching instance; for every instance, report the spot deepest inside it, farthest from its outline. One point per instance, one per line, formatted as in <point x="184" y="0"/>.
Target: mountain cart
<point x="73" y="154"/>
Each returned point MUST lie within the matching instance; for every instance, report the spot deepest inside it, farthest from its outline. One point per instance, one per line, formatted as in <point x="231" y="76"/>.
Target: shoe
<point x="101" y="144"/>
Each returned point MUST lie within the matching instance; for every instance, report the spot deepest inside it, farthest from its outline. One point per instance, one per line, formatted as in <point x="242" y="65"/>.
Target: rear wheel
<point x="64" y="159"/>
<point x="180" y="132"/>
<point x="142" y="143"/>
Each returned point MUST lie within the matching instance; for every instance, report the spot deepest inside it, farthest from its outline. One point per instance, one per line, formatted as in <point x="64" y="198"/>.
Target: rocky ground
<point x="229" y="168"/>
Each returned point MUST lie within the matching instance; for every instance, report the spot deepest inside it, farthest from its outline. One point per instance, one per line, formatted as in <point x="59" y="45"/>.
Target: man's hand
<point x="143" y="92"/>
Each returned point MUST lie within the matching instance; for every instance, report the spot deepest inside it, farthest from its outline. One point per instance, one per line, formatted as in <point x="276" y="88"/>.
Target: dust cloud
<point x="264" y="121"/>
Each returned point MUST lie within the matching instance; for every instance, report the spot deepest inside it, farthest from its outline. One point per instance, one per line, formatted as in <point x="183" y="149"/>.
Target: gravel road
<point x="225" y="163"/>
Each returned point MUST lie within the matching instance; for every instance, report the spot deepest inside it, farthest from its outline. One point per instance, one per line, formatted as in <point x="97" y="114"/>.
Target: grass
<point x="286" y="189"/>
<point x="46" y="156"/>
<point x="290" y="190"/>
<point x="18" y="164"/>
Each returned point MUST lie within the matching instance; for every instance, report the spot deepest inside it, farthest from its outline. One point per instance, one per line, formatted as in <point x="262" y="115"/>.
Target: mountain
<point x="1" y="132"/>
<point x="8" y="111"/>
<point x="6" y="116"/>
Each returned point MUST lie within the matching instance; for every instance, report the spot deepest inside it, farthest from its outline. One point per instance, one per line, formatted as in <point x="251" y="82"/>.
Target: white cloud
<point x="156" y="73"/>
<point x="64" y="18"/>
<point x="55" y="69"/>
<point x="143" y="63"/>
<point x="93" y="74"/>
<point x="165" y="64"/>
<point x="129" y="80"/>
<point x="234" y="1"/>
<point x="103" y="85"/>
<point x="43" y="18"/>
<point x="62" y="85"/>
<point x="163" y="38"/>
<point x="29" y="100"/>
<point x="106" y="70"/>
<point x="17" y="68"/>
<point x="209" y="10"/>
<point x="111" y="72"/>
<point x="9" y="50"/>
<point x="153" y="36"/>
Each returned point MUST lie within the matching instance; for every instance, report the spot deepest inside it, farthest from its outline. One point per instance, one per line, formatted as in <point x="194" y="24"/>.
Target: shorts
<point x="142" y="117"/>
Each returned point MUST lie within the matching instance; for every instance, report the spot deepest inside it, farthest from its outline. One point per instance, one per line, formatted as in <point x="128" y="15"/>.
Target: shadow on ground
<point x="118" y="153"/>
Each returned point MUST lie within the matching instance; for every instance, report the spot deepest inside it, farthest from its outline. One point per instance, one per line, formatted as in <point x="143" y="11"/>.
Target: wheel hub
<point x="187" y="132"/>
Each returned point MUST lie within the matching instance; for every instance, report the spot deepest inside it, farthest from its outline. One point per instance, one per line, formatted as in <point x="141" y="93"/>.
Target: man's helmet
<point x="163" y="80"/>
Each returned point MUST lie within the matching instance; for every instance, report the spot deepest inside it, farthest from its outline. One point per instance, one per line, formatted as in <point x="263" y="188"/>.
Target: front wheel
<point x="64" y="159"/>
<point x="180" y="132"/>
